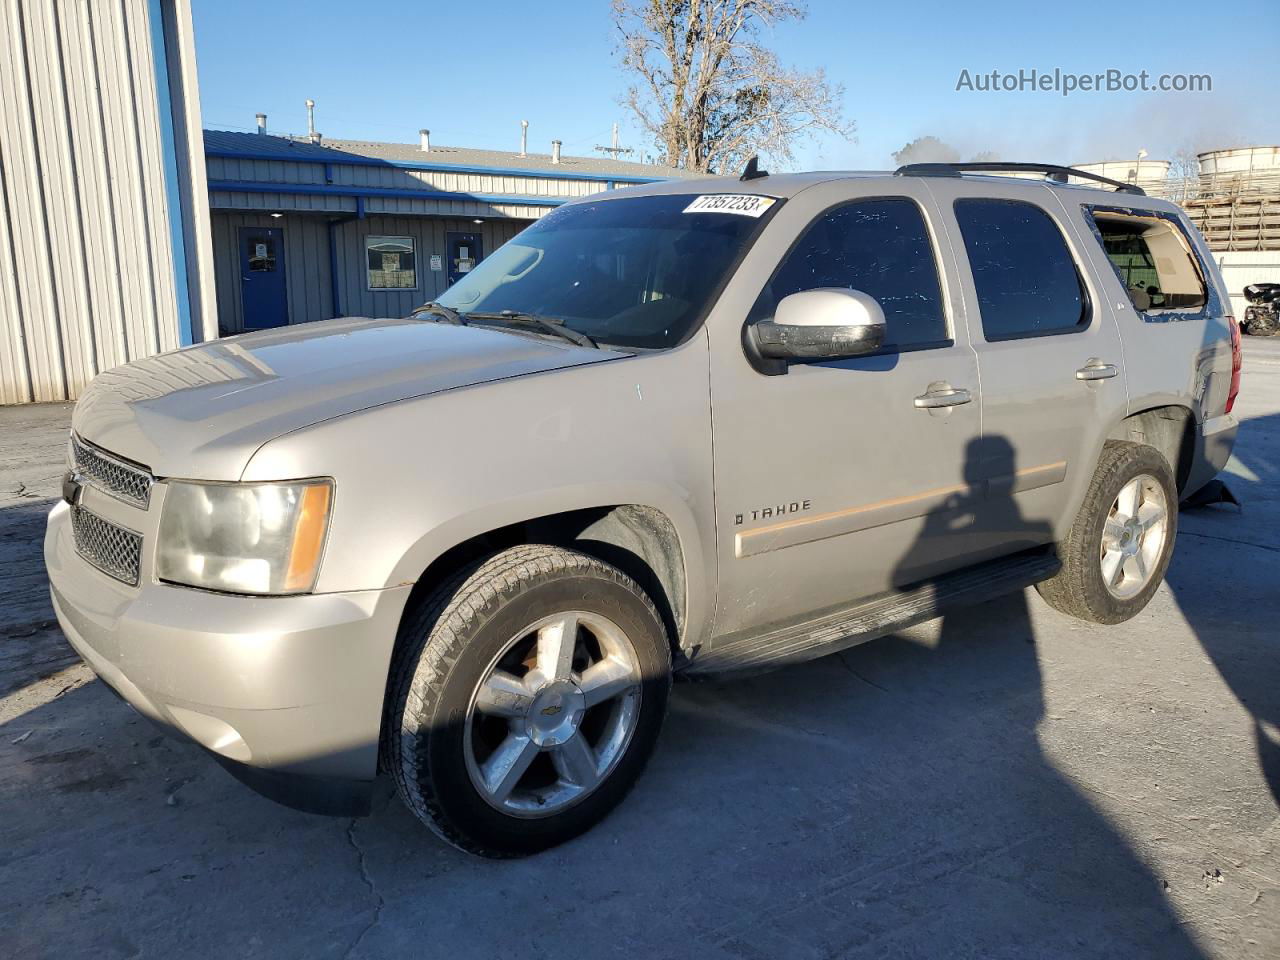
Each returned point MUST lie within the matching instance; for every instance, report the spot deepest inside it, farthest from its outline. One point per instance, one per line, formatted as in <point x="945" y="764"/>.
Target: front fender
<point x="698" y="563"/>
<point x="415" y="478"/>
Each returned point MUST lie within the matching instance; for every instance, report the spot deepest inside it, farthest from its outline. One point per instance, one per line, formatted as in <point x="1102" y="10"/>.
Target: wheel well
<point x="1170" y="429"/>
<point x="638" y="540"/>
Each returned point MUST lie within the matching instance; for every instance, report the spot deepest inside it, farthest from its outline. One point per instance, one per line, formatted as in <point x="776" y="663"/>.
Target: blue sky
<point x="470" y="72"/>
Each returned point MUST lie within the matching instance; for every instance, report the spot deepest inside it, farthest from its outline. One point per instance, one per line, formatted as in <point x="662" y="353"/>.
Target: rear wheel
<point x="527" y="700"/>
<point x="1119" y="546"/>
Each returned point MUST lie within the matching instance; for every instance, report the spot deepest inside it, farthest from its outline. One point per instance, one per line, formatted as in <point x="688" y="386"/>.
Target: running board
<point x="869" y="619"/>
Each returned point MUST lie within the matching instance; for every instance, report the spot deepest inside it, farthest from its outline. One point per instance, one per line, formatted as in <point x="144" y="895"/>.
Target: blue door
<point x="262" y="291"/>
<point x="463" y="251"/>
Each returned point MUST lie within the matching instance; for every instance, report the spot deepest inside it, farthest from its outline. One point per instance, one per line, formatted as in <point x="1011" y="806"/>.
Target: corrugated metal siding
<point x="1243" y="267"/>
<point x="272" y="171"/>
<point x="273" y="202"/>
<point x="452" y="208"/>
<point x="86" y="269"/>
<point x="393" y="178"/>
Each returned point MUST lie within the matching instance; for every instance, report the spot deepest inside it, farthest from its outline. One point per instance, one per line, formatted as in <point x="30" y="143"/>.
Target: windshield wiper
<point x="549" y="325"/>
<point x="448" y="314"/>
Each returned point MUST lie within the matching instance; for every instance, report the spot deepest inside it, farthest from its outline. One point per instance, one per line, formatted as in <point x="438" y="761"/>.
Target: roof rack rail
<point x="1052" y="170"/>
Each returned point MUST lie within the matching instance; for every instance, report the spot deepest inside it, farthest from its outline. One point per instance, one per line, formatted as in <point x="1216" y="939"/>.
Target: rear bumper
<point x="286" y="692"/>
<point x="1215" y="439"/>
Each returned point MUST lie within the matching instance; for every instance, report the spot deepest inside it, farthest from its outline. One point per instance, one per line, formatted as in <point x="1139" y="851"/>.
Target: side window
<point x="1027" y="281"/>
<point x="880" y="247"/>
<point x="1153" y="260"/>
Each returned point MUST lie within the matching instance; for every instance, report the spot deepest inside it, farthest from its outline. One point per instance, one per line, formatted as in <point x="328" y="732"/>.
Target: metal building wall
<point x="428" y="205"/>
<point x="429" y="235"/>
<point x="308" y="276"/>
<point x="1243" y="267"/>
<point x="100" y="256"/>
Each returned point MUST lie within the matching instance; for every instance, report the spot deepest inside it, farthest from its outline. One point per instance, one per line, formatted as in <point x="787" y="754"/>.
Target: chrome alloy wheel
<point x="1133" y="536"/>
<point x="553" y="714"/>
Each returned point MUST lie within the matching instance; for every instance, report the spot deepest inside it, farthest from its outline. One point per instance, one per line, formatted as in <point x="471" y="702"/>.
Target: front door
<point x="842" y="479"/>
<point x="263" y="296"/>
<point x="464" y="251"/>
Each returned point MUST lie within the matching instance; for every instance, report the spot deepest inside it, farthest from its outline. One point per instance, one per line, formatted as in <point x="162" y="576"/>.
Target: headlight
<point x="244" y="537"/>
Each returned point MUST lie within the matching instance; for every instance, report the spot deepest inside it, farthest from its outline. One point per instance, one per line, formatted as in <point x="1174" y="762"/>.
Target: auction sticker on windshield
<point x="743" y="204"/>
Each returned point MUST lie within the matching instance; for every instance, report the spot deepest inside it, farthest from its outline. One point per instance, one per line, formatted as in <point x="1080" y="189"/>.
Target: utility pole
<point x="614" y="150"/>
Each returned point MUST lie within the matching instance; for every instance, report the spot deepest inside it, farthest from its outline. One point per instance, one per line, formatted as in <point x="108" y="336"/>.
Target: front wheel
<point x="1119" y="546"/>
<point x="529" y="695"/>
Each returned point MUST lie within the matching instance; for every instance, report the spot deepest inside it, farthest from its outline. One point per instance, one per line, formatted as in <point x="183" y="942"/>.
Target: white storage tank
<point x="1265" y="160"/>
<point x="1148" y="171"/>
<point x="1240" y="172"/>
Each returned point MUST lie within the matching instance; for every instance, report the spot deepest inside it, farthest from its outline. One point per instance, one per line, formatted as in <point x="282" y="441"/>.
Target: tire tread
<point x="1072" y="590"/>
<point x="432" y="637"/>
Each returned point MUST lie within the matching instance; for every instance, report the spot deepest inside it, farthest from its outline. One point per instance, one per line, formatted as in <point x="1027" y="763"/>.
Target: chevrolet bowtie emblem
<point x="551" y="711"/>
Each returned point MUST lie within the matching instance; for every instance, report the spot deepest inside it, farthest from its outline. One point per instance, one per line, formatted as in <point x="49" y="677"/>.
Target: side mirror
<point x="827" y="323"/>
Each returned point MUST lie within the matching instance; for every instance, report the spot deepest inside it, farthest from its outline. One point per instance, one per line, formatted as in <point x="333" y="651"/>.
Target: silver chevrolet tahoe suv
<point x="693" y="428"/>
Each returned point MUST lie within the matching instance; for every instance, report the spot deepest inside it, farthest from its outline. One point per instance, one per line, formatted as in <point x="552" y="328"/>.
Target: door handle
<point x="1095" y="369"/>
<point x="942" y="395"/>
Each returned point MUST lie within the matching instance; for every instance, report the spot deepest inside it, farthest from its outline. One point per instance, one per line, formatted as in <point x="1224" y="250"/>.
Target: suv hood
<point x="201" y="412"/>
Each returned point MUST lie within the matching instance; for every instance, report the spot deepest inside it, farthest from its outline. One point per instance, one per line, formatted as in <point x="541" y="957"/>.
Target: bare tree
<point x="1184" y="175"/>
<point x="707" y="89"/>
<point x="1184" y="164"/>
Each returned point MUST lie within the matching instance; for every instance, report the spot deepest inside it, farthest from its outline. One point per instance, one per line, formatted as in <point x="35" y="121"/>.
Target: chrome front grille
<point x="124" y="481"/>
<point x="113" y="549"/>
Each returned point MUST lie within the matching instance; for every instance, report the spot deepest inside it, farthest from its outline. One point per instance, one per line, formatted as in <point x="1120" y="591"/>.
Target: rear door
<point x="1048" y="349"/>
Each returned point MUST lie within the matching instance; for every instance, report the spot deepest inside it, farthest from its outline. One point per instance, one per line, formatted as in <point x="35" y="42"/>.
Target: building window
<point x="392" y="263"/>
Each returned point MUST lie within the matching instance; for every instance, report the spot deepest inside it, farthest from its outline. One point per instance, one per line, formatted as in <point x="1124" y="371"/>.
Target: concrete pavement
<point x="1006" y="782"/>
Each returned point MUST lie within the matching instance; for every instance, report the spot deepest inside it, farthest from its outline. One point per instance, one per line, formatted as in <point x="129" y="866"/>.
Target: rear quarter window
<point x="1152" y="258"/>
<point x="1027" y="282"/>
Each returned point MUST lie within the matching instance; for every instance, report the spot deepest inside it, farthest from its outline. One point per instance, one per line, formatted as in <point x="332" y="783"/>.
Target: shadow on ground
<point x="1001" y="783"/>
<point x="1230" y="594"/>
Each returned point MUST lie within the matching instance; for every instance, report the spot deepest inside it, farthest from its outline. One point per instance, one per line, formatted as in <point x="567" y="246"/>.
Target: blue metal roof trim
<point x="326" y="190"/>
<point x="222" y="145"/>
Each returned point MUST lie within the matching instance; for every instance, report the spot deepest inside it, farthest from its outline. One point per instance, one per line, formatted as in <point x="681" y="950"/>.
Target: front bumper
<point x="286" y="692"/>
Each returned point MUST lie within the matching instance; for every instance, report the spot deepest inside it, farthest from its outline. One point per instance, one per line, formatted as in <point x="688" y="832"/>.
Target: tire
<point x="474" y="631"/>
<point x="1260" y="328"/>
<point x="1080" y="588"/>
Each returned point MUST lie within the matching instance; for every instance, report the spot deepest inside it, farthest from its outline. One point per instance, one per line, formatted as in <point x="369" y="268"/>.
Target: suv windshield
<point x="633" y="271"/>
